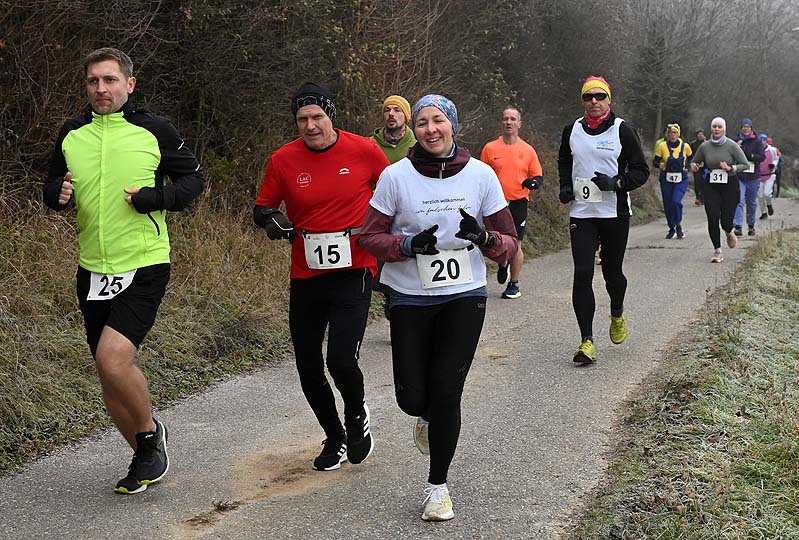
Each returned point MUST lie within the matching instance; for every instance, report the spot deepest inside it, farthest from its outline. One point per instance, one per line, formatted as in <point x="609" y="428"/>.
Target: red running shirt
<point x="324" y="192"/>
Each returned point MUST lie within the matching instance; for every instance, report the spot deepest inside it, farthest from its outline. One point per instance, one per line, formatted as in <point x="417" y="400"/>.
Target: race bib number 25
<point x="107" y="286"/>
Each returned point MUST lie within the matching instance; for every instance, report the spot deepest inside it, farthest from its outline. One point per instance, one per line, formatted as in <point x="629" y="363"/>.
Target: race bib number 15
<point x="327" y="250"/>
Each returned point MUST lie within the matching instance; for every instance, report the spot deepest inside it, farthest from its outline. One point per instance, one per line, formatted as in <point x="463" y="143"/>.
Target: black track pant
<point x="339" y="302"/>
<point x="720" y="200"/>
<point x="585" y="233"/>
<point x="432" y="349"/>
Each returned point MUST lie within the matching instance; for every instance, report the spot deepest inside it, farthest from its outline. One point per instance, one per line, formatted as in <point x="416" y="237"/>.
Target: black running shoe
<point x="130" y="485"/>
<point x="359" y="437"/>
<point x="334" y="453"/>
<point x="153" y="459"/>
<point x="502" y="273"/>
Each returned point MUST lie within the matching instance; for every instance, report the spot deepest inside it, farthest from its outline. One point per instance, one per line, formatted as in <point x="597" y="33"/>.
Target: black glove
<point x="532" y="183"/>
<point x="471" y="230"/>
<point x="276" y="224"/>
<point x="424" y="243"/>
<point x="566" y="194"/>
<point x="148" y="200"/>
<point x="605" y="182"/>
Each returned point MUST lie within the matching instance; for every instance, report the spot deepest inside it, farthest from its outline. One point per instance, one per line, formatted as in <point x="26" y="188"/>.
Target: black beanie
<point x="314" y="94"/>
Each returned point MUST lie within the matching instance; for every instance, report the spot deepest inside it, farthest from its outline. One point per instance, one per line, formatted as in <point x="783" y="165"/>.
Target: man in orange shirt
<point x="519" y="171"/>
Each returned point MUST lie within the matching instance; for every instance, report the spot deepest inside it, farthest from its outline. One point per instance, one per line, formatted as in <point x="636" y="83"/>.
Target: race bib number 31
<point x="326" y="251"/>
<point x="449" y="267"/>
<point x="107" y="286"/>
<point x="587" y="191"/>
<point x="718" y="176"/>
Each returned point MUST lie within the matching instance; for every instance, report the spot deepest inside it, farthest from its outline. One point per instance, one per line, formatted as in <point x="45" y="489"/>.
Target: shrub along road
<point x="536" y="428"/>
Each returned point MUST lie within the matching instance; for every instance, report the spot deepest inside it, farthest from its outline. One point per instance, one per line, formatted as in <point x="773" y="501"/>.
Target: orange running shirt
<point x="512" y="163"/>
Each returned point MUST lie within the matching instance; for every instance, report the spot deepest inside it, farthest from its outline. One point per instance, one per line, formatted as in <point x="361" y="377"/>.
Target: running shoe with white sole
<point x="420" y="435"/>
<point x="360" y="442"/>
<point x="437" y="503"/>
<point x="512" y="290"/>
<point x="130" y="485"/>
<point x="153" y="458"/>
<point x="334" y="453"/>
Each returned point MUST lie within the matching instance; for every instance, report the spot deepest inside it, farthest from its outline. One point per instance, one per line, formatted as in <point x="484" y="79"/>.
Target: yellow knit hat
<point x="595" y="82"/>
<point x="400" y="102"/>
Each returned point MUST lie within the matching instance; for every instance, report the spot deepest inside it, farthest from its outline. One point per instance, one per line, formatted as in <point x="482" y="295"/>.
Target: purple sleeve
<point x="501" y="226"/>
<point x="376" y="239"/>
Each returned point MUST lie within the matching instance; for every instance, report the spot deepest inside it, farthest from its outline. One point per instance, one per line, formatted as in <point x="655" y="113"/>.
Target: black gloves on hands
<point x="532" y="183"/>
<point x="605" y="182"/>
<point x="274" y="222"/>
<point x="566" y="194"/>
<point x="424" y="243"/>
<point x="148" y="200"/>
<point x="471" y="230"/>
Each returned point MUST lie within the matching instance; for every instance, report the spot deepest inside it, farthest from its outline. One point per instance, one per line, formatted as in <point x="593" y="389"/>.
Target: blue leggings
<point x="672" y="199"/>
<point x="748" y="196"/>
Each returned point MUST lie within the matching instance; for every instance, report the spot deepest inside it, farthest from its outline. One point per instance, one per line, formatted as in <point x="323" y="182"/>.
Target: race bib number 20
<point x="449" y="267"/>
<point x="107" y="286"/>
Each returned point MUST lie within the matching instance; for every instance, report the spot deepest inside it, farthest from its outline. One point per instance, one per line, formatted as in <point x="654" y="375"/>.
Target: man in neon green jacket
<point x="111" y="162"/>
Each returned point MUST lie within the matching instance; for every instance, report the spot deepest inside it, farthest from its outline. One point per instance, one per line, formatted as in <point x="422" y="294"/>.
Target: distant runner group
<point x="410" y="201"/>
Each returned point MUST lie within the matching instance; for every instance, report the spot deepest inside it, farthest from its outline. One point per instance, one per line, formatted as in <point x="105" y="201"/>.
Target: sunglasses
<point x="600" y="96"/>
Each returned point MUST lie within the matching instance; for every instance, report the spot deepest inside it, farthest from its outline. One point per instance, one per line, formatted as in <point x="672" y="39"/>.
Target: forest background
<point x="223" y="73"/>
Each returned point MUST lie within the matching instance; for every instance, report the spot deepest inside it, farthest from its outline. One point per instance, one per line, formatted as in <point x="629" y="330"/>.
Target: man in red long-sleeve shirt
<point x="326" y="178"/>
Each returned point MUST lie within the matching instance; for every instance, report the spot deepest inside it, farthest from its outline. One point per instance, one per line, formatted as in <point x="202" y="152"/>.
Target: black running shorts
<point x="131" y="313"/>
<point x="518" y="209"/>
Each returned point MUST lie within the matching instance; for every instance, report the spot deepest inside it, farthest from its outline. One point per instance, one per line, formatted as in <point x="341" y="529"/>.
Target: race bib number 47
<point x="449" y="267"/>
<point x="587" y="191"/>
<point x="107" y="286"/>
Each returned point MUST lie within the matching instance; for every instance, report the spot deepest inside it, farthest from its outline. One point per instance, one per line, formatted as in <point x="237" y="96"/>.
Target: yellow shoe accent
<point x="437" y="503"/>
<point x="586" y="352"/>
<point x="618" y="329"/>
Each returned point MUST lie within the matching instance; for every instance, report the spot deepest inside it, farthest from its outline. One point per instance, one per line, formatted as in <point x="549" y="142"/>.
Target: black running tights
<point x="432" y="349"/>
<point x="720" y="200"/>
<point x="339" y="302"/>
<point x="585" y="234"/>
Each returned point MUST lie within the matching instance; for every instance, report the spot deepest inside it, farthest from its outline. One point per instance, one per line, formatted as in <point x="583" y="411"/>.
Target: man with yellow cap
<point x="394" y="139"/>
<point x="599" y="162"/>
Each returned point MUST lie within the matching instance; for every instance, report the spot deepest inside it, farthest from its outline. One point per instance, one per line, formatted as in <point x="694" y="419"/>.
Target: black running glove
<point x="605" y="182"/>
<point x="424" y="243"/>
<point x="532" y="183"/>
<point x="275" y="224"/>
<point x="566" y="194"/>
<point x="148" y="200"/>
<point x="472" y="231"/>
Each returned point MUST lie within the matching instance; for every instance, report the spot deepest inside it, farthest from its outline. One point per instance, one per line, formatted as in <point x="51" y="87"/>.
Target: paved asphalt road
<point x="535" y="426"/>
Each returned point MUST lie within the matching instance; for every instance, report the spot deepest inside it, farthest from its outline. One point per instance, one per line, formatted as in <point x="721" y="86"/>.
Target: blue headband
<point x="442" y="104"/>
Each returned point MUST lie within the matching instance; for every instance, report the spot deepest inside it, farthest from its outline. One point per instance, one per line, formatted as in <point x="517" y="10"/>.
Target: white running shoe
<point x="437" y="503"/>
<point x="420" y="435"/>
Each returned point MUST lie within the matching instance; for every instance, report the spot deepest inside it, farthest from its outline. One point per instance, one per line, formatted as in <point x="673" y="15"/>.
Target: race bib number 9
<point x="326" y="251"/>
<point x="674" y="177"/>
<point x="107" y="286"/>
<point x="587" y="191"/>
<point x="449" y="267"/>
<point x="718" y="176"/>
